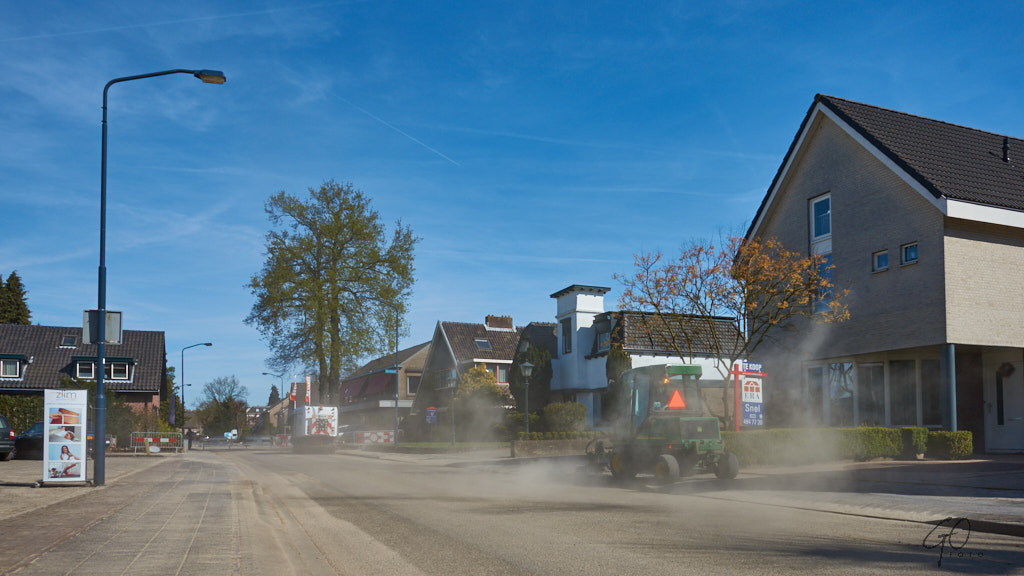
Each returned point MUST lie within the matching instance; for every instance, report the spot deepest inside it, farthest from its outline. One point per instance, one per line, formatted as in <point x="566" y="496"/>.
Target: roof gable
<point x="462" y="338"/>
<point x="960" y="170"/>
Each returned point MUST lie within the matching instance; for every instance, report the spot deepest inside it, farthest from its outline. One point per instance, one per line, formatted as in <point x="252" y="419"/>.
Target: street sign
<point x="431" y="415"/>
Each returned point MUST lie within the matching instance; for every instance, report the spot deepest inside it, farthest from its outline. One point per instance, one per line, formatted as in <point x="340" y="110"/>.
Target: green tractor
<point x="662" y="429"/>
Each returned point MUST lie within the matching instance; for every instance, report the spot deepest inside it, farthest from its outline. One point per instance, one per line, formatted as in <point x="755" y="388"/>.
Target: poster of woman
<point x="65" y="444"/>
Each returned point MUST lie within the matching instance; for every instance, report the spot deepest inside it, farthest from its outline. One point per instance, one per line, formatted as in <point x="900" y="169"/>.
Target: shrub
<point x="564" y="416"/>
<point x="944" y="445"/>
<point x="915" y="441"/>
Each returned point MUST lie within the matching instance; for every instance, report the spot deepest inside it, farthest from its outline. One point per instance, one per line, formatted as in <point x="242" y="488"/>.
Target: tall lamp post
<point x="394" y="308"/>
<point x="527" y="370"/>
<point x="451" y="386"/>
<point x="183" y="409"/>
<point x="100" y="462"/>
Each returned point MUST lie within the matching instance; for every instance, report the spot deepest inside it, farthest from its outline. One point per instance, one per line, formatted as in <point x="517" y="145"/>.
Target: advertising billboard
<point x="64" y="441"/>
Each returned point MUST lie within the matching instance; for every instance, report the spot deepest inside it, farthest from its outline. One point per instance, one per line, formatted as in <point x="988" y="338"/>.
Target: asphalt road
<point x="358" y="515"/>
<point x="265" y="511"/>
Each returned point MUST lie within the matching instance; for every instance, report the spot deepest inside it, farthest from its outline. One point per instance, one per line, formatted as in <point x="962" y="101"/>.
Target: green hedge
<point x="950" y="445"/>
<point x="791" y="446"/>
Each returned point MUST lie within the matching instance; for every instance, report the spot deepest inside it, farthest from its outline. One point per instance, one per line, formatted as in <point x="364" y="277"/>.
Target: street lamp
<point x="394" y="308"/>
<point x="527" y="370"/>
<point x="99" y="464"/>
<point x="183" y="409"/>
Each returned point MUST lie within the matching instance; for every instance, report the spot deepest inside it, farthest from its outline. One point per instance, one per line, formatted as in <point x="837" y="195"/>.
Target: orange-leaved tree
<point x="725" y="299"/>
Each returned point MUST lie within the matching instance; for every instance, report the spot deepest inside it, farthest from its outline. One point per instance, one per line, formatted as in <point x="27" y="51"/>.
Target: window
<point x="566" y="324"/>
<point x="68" y="341"/>
<point x="815" y="395"/>
<point x="482" y="344"/>
<point x="503" y="374"/>
<point x="604" y="341"/>
<point x="10" y="368"/>
<point x="903" y="392"/>
<point x="821" y="217"/>
<point x="880" y="261"/>
<point x="840" y="375"/>
<point x="908" y="254"/>
<point x="871" y="394"/>
<point x="116" y="371"/>
<point x="412" y="384"/>
<point x="931" y="384"/>
<point x="85" y="370"/>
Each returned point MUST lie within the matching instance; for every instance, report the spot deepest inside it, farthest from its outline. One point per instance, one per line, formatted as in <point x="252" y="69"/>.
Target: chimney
<point x="1006" y="148"/>
<point x="498" y="322"/>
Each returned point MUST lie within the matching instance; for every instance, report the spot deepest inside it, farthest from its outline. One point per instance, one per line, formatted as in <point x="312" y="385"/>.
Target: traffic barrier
<point x="162" y="440"/>
<point x="375" y="437"/>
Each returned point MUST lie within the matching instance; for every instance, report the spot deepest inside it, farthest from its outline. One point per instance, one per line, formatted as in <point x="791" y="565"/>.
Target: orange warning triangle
<point x="676" y="402"/>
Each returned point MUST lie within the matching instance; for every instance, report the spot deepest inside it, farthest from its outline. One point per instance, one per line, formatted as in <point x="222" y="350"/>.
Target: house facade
<point x="458" y="347"/>
<point x="34" y="358"/>
<point x="367" y="399"/>
<point x="586" y="334"/>
<point x="923" y="223"/>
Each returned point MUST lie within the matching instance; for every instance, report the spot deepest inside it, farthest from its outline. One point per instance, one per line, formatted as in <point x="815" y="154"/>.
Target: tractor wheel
<point x="666" y="469"/>
<point x="622" y="469"/>
<point x="727" y="467"/>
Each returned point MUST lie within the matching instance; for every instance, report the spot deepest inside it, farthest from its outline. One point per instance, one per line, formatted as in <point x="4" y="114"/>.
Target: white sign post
<point x="64" y="441"/>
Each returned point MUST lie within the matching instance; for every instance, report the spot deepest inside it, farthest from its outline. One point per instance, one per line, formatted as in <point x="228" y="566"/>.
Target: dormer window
<point x="10" y="368"/>
<point x="116" y="369"/>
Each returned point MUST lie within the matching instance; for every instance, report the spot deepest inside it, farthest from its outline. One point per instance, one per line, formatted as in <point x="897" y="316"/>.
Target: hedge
<point x="950" y="445"/>
<point x="791" y="446"/>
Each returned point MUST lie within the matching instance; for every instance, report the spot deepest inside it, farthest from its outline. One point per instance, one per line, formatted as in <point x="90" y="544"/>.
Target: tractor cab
<point x="662" y="427"/>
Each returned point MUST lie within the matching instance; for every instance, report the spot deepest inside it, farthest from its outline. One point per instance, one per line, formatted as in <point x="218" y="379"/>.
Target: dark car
<point x="6" y="439"/>
<point x="29" y="444"/>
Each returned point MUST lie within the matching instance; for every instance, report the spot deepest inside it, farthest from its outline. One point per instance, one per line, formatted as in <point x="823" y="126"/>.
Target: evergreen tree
<point x="14" y="302"/>
<point x="275" y="396"/>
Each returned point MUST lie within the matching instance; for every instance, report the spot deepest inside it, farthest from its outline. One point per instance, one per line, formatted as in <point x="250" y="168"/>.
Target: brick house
<point x="923" y="222"/>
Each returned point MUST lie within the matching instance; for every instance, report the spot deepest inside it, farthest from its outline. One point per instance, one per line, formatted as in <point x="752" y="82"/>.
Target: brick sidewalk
<point x="173" y="517"/>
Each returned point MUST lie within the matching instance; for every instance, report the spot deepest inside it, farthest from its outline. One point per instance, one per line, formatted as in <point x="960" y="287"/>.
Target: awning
<point x="351" y="388"/>
<point x="377" y="383"/>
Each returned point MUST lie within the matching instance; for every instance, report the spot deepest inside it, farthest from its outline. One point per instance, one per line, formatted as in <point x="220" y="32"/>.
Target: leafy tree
<point x="757" y="281"/>
<point x="14" y="301"/>
<point x="479" y="404"/>
<point x="332" y="283"/>
<point x="223" y="406"/>
<point x="275" y="395"/>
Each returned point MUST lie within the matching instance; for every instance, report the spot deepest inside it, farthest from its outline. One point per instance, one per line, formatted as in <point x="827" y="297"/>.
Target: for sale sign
<point x="64" y="442"/>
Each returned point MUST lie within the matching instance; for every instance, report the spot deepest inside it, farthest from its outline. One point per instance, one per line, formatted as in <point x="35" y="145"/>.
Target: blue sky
<point x="530" y="145"/>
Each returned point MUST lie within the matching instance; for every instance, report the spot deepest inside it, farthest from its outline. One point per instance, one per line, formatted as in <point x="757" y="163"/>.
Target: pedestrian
<point x="190" y="436"/>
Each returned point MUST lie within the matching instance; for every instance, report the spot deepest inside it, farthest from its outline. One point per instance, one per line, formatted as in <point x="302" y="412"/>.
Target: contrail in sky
<point x="382" y="121"/>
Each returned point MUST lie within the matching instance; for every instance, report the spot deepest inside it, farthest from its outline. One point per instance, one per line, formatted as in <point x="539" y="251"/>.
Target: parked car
<point x="29" y="444"/>
<point x="6" y="439"/>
